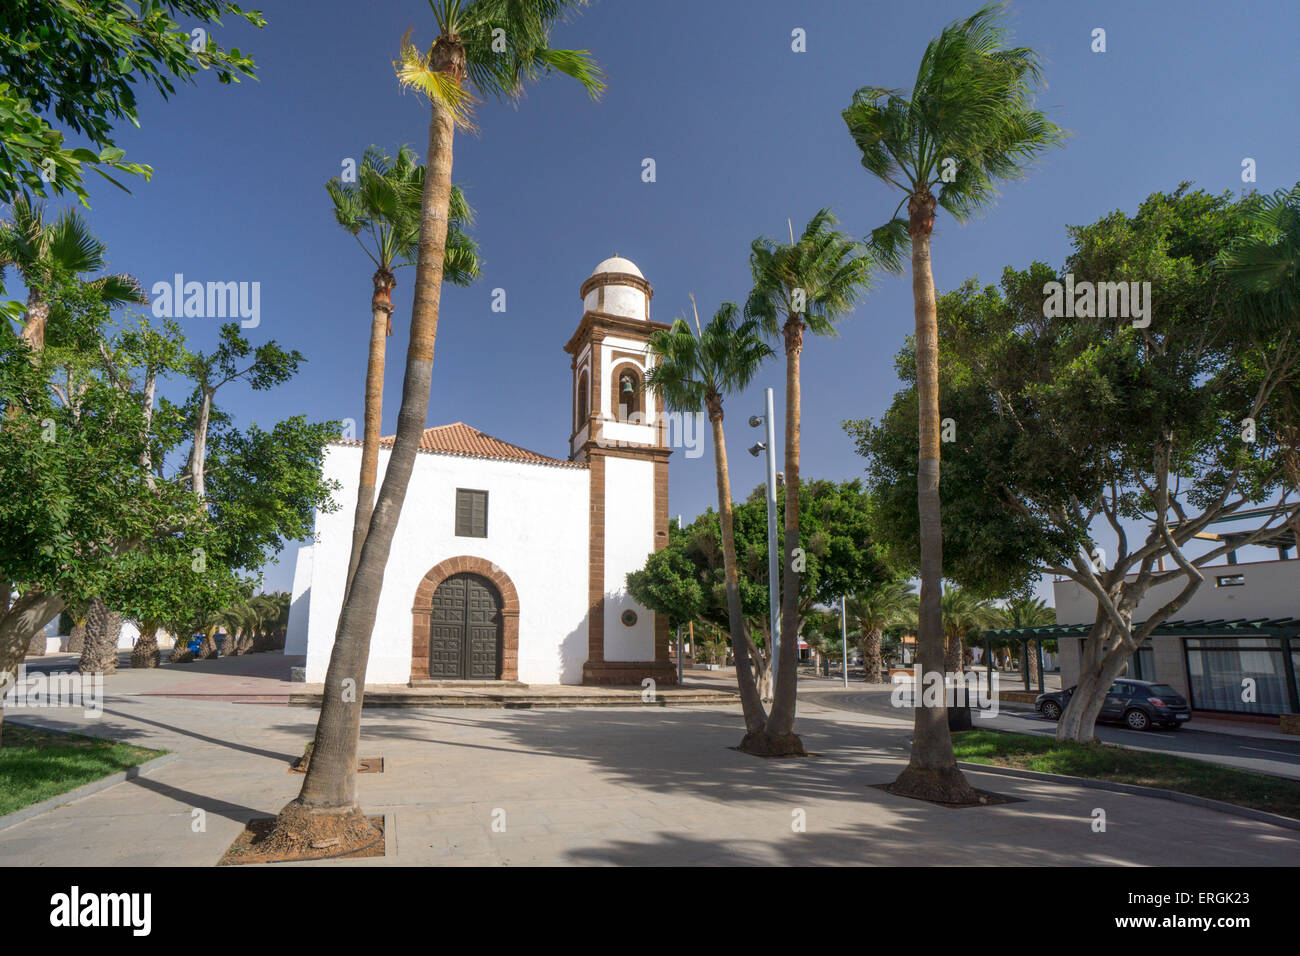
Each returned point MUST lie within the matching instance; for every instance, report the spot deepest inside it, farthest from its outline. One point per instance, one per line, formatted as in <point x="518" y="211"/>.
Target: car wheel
<point x="1051" y="710"/>
<point x="1137" y="720"/>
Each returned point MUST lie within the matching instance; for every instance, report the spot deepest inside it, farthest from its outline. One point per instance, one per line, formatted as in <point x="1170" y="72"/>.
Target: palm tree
<point x="965" y="615"/>
<point x="809" y="284"/>
<point x="488" y="47"/>
<point x="238" y="621"/>
<point x="693" y="371"/>
<point x="145" y="653"/>
<point x="381" y="210"/>
<point x="77" y="632"/>
<point x="968" y="123"/>
<point x="47" y="253"/>
<point x="875" y="608"/>
<point x="103" y="630"/>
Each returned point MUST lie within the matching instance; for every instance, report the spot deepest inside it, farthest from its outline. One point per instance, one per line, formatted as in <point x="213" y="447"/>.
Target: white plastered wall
<point x="629" y="539"/>
<point x="537" y="535"/>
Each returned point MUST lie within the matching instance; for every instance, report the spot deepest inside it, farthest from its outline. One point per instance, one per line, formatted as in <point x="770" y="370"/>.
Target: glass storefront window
<point x="1142" y="665"/>
<point x="1244" y="675"/>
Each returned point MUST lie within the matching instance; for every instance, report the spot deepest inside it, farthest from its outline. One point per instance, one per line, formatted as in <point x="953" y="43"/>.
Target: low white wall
<point x="537" y="535"/>
<point x="295" y="637"/>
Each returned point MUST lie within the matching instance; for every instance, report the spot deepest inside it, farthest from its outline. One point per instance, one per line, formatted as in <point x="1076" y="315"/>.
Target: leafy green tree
<point x="381" y="210"/>
<point x="1072" y="430"/>
<point x="492" y="48"/>
<point x="234" y="359"/>
<point x="687" y="579"/>
<point x="95" y="499"/>
<point x="806" y="285"/>
<point x="693" y="372"/>
<point x="968" y="123"/>
<point x="79" y="64"/>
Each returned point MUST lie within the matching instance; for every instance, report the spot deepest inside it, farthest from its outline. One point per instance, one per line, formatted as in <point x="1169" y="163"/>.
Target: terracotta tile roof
<point x="467" y="442"/>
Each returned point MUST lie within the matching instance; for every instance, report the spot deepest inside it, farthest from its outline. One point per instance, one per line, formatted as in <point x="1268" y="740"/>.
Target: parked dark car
<point x="1139" y="704"/>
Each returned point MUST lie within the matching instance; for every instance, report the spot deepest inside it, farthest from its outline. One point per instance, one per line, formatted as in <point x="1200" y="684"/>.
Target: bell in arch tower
<point x="618" y="430"/>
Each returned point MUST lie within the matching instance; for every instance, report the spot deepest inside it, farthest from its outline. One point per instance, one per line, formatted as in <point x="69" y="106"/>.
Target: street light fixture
<point x="757" y="447"/>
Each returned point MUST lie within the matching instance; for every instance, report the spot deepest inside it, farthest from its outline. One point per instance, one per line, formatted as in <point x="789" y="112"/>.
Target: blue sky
<point x="745" y="134"/>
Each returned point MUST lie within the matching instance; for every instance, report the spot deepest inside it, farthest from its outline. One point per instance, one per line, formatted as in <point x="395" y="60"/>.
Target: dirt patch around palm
<point x="251" y="846"/>
<point x="985" y="798"/>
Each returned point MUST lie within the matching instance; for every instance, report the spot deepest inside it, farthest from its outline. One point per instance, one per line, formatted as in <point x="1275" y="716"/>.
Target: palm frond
<point x="415" y="72"/>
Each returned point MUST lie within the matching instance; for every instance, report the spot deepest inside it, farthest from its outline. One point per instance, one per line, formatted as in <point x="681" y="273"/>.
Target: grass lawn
<point x="38" y="764"/>
<point x="1121" y="765"/>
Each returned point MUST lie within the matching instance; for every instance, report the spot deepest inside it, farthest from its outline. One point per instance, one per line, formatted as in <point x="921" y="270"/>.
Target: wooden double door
<point x="465" y="630"/>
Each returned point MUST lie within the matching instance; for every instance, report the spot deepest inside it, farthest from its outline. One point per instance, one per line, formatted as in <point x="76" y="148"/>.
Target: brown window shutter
<point x="471" y="513"/>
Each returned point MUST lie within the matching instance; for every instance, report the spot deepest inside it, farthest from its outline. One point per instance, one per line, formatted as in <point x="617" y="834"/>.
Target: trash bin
<point x="959" y="708"/>
<point x="959" y="717"/>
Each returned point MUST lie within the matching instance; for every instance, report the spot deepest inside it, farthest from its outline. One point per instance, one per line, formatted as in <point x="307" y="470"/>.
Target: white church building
<point x="507" y="564"/>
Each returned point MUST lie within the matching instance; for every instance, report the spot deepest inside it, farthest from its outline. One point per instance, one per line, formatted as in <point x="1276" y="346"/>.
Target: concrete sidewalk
<point x="604" y="786"/>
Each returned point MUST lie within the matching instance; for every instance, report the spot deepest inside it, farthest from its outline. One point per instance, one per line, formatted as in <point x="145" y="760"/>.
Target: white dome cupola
<point x="617" y="287"/>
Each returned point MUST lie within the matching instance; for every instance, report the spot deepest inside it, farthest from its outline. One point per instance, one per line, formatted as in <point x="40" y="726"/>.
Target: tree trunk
<point x="381" y="326"/>
<point x="199" y="450"/>
<point x="751" y="703"/>
<point x="931" y="773"/>
<point x="103" y="629"/>
<point x="953" y="655"/>
<point x="27" y="615"/>
<point x="1097" y="671"/>
<point x="181" y="653"/>
<point x="35" y="320"/>
<point x="870" y="646"/>
<point x="327" y="803"/>
<point x="208" y="647"/>
<point x="146" y="653"/>
<point x="778" y="738"/>
<point x="762" y="664"/>
<point x="1029" y="663"/>
<point x="77" y="637"/>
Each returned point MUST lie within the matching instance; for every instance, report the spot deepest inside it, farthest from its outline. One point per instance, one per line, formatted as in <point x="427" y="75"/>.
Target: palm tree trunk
<point x="953" y="655"/>
<point x="77" y="637"/>
<point x="35" y="320"/>
<point x="327" y="803"/>
<point x="146" y="653"/>
<point x="103" y="628"/>
<point x="381" y="312"/>
<point x="181" y="653"/>
<point x="751" y="704"/>
<point x="932" y="772"/>
<point x="1029" y="663"/>
<point x="871" y="654"/>
<point x="779" y="737"/>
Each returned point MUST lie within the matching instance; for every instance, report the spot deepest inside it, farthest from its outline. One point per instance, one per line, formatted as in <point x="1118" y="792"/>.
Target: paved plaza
<point x="622" y="785"/>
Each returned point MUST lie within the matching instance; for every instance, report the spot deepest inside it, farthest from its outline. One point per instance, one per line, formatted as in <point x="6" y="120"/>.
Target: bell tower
<point x="619" y="430"/>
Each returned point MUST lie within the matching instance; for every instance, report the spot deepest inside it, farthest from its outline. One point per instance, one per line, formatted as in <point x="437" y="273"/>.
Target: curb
<point x="45" y="806"/>
<point x="508" y="703"/>
<point x="1261" y="816"/>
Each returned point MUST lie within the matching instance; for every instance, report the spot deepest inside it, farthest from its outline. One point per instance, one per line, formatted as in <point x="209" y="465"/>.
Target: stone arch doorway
<point x="465" y="623"/>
